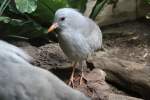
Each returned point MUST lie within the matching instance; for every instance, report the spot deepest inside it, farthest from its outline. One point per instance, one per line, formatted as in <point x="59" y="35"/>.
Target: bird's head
<point x="66" y="18"/>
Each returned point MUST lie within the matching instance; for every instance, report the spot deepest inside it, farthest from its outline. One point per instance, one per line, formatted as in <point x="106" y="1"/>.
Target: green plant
<point x="98" y="7"/>
<point x="148" y="14"/>
<point x="30" y="18"/>
<point x="148" y="1"/>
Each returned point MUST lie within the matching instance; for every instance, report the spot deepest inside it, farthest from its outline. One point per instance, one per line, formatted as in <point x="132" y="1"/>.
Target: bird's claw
<point x="81" y="79"/>
<point x="71" y="83"/>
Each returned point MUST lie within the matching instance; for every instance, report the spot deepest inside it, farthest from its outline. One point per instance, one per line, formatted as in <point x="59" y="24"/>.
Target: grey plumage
<point x="10" y="52"/>
<point x="79" y="36"/>
<point x="23" y="81"/>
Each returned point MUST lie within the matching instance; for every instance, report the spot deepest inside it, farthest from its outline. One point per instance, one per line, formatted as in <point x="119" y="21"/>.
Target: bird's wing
<point x="81" y="43"/>
<point x="93" y="34"/>
<point x="74" y="44"/>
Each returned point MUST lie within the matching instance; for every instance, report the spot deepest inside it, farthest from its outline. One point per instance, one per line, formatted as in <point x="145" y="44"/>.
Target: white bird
<point x="79" y="36"/>
<point x="12" y="53"/>
<point x="20" y="80"/>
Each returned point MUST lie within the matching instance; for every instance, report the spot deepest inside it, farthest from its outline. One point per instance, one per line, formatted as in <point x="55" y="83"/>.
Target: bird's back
<point x="12" y="53"/>
<point x="92" y="34"/>
<point x="20" y="82"/>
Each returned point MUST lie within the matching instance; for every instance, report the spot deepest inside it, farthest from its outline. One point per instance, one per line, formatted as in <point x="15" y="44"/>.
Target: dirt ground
<point x="127" y="40"/>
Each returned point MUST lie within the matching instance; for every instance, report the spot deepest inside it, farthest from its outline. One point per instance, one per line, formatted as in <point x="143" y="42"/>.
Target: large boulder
<point x="125" y="10"/>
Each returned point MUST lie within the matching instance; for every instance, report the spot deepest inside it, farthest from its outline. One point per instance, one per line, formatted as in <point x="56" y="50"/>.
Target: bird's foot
<point x="81" y="78"/>
<point x="71" y="82"/>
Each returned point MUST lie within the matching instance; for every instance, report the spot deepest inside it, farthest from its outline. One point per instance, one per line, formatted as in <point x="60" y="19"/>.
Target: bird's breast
<point x="74" y="45"/>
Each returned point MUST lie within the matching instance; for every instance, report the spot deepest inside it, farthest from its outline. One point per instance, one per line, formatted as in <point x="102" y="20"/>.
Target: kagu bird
<point x="79" y="36"/>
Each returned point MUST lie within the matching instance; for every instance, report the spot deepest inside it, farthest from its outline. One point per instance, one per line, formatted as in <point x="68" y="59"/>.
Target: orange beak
<point x="53" y="27"/>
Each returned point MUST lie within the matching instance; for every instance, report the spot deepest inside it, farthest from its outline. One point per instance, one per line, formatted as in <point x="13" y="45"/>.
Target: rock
<point x="95" y="81"/>
<point x="90" y="4"/>
<point x="125" y="10"/>
<point x="130" y="75"/>
<point x="48" y="56"/>
<point x="121" y="97"/>
<point x="51" y="55"/>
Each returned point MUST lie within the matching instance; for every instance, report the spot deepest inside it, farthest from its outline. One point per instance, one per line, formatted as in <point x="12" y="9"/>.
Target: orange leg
<point x="82" y="75"/>
<point x="72" y="75"/>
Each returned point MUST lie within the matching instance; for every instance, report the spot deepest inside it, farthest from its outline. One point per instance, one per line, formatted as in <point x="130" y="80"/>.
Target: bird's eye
<point x="62" y="18"/>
